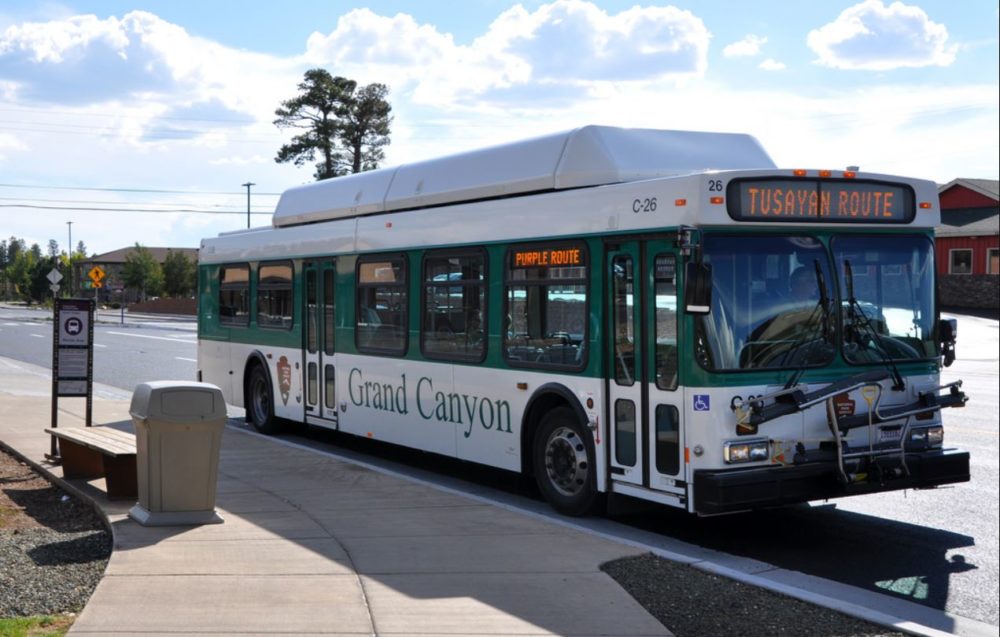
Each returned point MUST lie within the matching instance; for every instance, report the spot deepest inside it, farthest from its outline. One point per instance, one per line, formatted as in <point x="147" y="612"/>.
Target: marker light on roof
<point x="799" y="172"/>
<point x="826" y="173"/>
<point x="850" y="174"/>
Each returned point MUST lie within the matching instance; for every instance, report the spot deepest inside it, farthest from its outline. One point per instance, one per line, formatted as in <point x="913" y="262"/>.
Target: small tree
<point x="3" y="269"/>
<point x="142" y="272"/>
<point x="178" y="274"/>
<point x="348" y="127"/>
<point x="38" y="281"/>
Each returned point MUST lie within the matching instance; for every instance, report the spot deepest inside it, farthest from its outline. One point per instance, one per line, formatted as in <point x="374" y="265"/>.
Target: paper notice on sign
<point x="73" y="363"/>
<point x="72" y="388"/>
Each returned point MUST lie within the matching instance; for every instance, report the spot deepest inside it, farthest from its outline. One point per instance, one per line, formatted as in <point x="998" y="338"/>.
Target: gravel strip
<point x="693" y="603"/>
<point x="53" y="548"/>
<point x="45" y="572"/>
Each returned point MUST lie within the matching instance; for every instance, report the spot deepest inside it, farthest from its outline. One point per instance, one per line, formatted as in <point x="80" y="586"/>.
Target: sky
<point x="140" y="121"/>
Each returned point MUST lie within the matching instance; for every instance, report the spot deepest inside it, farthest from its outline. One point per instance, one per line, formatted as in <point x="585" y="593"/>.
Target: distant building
<point x="112" y="288"/>
<point x="968" y="243"/>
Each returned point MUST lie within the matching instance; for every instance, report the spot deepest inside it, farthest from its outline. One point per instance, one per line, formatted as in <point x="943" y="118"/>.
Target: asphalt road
<point x="125" y="354"/>
<point x="938" y="548"/>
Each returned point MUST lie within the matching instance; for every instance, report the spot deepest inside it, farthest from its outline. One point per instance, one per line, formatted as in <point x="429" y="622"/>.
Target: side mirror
<point x="698" y="288"/>
<point x="947" y="333"/>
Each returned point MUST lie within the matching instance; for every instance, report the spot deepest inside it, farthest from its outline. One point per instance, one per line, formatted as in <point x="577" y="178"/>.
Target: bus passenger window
<point x="382" y="306"/>
<point x="546" y="306"/>
<point x="454" y="307"/>
<point x="234" y="295"/>
<point x="665" y="276"/>
<point x="274" y="295"/>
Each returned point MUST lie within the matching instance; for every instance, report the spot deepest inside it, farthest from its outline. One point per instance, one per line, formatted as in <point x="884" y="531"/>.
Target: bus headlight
<point x="746" y="451"/>
<point x="928" y="436"/>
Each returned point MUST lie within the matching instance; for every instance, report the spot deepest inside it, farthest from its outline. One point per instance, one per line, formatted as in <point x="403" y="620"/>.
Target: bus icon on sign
<point x="702" y="402"/>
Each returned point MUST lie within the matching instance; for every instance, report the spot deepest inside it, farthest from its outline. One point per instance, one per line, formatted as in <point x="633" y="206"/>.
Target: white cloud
<point x="770" y="64"/>
<point x="576" y="39"/>
<point x="873" y="37"/>
<point x="559" y="50"/>
<point x="747" y="47"/>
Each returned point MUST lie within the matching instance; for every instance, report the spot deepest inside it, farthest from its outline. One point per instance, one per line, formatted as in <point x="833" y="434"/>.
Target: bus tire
<point x="563" y="455"/>
<point x="260" y="401"/>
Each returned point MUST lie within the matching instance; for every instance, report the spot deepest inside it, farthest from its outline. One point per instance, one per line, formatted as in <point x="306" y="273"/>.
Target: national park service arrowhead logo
<point x="284" y="379"/>
<point x="844" y="405"/>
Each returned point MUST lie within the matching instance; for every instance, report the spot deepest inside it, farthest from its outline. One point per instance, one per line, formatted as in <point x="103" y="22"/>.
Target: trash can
<point x="178" y="429"/>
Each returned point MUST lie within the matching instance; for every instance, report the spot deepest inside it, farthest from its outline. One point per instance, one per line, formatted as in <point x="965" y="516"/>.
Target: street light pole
<point x="247" y="186"/>
<point x="69" y="257"/>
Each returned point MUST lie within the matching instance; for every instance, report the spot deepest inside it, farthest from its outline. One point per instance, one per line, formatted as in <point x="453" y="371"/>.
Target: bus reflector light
<point x="799" y="172"/>
<point x="850" y="174"/>
<point x="925" y="205"/>
<point x="680" y="202"/>
<point x="826" y="174"/>
<point x="717" y="200"/>
<point x="522" y="386"/>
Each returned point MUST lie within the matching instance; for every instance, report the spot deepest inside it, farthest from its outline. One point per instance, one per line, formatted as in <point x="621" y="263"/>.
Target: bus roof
<point x="587" y="156"/>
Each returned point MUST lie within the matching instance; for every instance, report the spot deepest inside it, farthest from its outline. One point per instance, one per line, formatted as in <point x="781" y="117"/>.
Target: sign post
<point x="72" y="357"/>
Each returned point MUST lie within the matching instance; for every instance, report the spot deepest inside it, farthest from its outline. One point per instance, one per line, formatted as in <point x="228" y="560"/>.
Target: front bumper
<point x="732" y="490"/>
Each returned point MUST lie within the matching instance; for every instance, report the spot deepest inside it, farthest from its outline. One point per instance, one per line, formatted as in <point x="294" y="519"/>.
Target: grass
<point x="39" y="626"/>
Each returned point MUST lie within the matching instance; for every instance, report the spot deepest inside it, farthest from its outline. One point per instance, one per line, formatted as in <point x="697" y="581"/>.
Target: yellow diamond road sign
<point x="96" y="274"/>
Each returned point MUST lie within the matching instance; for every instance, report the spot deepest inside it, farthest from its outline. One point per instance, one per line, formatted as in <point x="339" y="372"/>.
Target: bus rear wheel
<point x="260" y="401"/>
<point x="564" y="463"/>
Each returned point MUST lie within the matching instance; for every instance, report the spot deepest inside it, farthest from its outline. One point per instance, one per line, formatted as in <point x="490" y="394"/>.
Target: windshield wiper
<point x="857" y="311"/>
<point x="823" y="310"/>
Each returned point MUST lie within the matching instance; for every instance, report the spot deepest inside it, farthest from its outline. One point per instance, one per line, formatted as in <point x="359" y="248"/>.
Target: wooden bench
<point x="99" y="452"/>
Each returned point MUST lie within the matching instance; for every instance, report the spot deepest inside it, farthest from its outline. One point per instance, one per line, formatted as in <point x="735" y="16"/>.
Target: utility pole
<point x="247" y="186"/>
<point x="69" y="257"/>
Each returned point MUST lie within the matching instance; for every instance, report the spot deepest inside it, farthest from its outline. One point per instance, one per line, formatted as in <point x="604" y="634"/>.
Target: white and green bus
<point x="661" y="314"/>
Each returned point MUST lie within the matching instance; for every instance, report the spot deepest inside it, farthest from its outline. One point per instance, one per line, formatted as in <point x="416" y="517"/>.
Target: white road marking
<point x="183" y="340"/>
<point x="38" y="336"/>
<point x="181" y="358"/>
<point x="99" y="345"/>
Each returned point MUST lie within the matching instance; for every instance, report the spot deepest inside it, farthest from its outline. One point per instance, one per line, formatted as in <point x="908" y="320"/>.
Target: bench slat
<point x="104" y="439"/>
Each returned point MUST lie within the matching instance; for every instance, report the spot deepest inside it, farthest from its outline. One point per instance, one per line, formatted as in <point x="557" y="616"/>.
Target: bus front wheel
<point x="564" y="463"/>
<point x="260" y="401"/>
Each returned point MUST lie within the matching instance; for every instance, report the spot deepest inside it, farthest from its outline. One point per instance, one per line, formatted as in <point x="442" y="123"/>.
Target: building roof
<point x="969" y="222"/>
<point x="986" y="187"/>
<point x="975" y="221"/>
<point x="587" y="156"/>
<point x="160" y="254"/>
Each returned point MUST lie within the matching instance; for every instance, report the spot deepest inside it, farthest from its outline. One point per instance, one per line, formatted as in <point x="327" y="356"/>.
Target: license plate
<point x="890" y="434"/>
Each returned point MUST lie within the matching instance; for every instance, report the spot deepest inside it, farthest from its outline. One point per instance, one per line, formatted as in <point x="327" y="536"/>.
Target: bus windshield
<point x="770" y="304"/>
<point x="775" y="303"/>
<point x="892" y="280"/>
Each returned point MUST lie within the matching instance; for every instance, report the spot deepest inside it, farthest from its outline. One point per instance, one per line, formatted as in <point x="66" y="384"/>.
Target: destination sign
<point x="547" y="257"/>
<point x="821" y="201"/>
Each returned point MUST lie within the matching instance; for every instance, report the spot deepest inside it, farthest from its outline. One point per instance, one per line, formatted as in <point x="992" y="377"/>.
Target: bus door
<point x="646" y="437"/>
<point x="320" y="373"/>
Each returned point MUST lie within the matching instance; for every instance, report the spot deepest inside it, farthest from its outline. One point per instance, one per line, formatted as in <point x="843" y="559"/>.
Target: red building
<point x="968" y="243"/>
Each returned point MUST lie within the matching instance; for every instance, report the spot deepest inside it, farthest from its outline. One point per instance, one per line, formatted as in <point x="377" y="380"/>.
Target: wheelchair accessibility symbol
<point x="702" y="402"/>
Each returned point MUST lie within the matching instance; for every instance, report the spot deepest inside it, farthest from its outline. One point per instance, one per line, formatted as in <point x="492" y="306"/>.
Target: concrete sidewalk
<point x="313" y="544"/>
